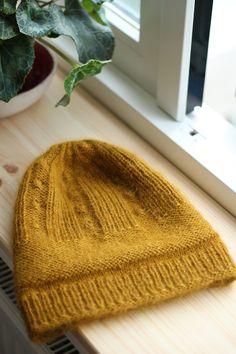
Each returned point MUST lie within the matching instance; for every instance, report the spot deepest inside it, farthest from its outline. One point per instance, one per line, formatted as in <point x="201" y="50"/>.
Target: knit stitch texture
<point x="99" y="232"/>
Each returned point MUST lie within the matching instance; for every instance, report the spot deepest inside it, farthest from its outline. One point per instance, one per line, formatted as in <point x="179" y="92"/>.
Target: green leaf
<point x="100" y="16"/>
<point x="8" y="7"/>
<point x="8" y="27"/>
<point x="95" y="10"/>
<point x="88" y="5"/>
<point x="16" y="60"/>
<point x="64" y="101"/>
<point x="78" y="74"/>
<point x="92" y="40"/>
<point x="33" y="20"/>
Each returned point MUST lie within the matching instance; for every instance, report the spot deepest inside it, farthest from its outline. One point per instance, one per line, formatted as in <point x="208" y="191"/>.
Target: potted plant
<point x="25" y="22"/>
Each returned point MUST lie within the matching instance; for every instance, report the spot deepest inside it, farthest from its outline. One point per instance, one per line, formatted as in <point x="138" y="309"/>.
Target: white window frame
<point x="158" y="50"/>
<point x="136" y="51"/>
<point x="208" y="157"/>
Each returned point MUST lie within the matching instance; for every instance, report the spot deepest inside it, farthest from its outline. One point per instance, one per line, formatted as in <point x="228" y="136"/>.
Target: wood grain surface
<point x="202" y="323"/>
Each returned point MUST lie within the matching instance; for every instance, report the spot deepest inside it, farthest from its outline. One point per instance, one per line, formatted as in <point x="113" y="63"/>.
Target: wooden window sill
<point x="200" y="323"/>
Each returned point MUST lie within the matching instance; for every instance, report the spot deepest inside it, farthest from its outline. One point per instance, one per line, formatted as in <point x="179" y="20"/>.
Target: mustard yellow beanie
<point x="99" y="232"/>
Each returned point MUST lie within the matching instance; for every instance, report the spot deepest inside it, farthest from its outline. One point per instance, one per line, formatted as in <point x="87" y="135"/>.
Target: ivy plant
<point x="23" y="22"/>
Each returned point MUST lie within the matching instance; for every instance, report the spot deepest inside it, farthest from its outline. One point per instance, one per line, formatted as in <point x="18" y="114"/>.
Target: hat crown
<point x="92" y="188"/>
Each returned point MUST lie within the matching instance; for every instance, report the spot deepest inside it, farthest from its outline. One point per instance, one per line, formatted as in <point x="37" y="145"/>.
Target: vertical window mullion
<point x="174" y="56"/>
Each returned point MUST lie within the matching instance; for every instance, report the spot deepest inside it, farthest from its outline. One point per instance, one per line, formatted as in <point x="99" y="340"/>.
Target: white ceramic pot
<point x="25" y="99"/>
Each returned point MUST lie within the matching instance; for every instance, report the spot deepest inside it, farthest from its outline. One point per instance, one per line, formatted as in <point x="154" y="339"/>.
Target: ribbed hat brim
<point x="58" y="307"/>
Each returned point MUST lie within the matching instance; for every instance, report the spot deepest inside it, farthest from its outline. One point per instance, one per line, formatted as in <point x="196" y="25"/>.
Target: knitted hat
<point x="99" y="232"/>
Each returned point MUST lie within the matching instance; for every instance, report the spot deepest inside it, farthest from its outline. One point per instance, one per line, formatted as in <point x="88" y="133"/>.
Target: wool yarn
<point x="99" y="232"/>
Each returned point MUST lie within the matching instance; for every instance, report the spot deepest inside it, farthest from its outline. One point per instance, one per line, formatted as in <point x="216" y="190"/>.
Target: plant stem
<point x="58" y="51"/>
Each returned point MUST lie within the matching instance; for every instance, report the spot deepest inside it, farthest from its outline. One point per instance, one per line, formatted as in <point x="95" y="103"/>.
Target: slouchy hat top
<point x="99" y="232"/>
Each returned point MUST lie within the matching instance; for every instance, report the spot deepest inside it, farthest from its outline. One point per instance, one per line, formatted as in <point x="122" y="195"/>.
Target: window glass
<point x="220" y="80"/>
